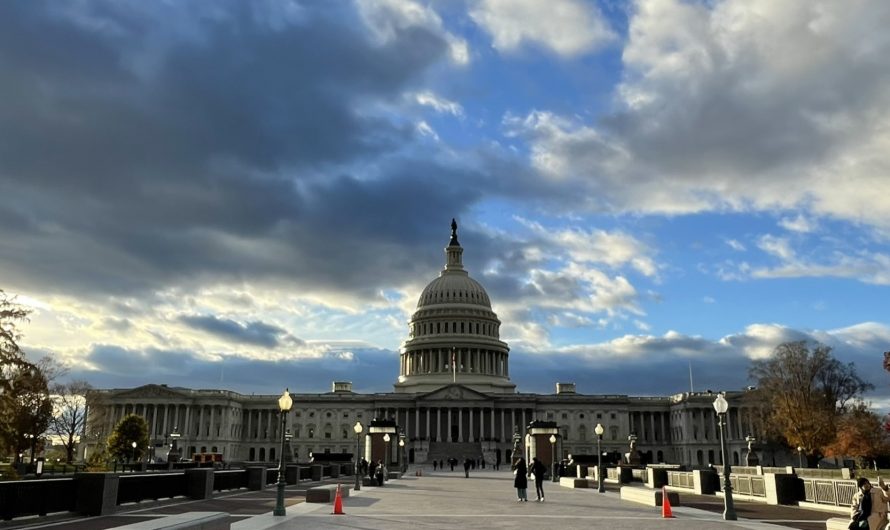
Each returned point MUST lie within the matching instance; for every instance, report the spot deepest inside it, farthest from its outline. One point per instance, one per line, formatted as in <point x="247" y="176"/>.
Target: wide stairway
<point x="459" y="450"/>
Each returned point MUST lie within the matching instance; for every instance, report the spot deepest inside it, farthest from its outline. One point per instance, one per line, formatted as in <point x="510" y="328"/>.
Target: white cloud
<point x="567" y="27"/>
<point x="387" y="18"/>
<point x="735" y="245"/>
<point x="438" y="103"/>
<point x="777" y="246"/>
<point x="800" y="224"/>
<point x="615" y="249"/>
<point x="425" y="130"/>
<point x="736" y="105"/>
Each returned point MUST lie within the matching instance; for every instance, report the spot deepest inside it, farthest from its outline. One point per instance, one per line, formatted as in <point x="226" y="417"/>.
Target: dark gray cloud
<point x="140" y="158"/>
<point x="256" y="333"/>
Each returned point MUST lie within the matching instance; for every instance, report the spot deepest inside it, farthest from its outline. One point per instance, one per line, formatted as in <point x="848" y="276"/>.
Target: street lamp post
<point x="133" y="445"/>
<point x="600" y="486"/>
<point x="800" y="455"/>
<point x="721" y="406"/>
<point x="285" y="402"/>
<point x="404" y="467"/>
<point x="386" y="440"/>
<point x="751" y="458"/>
<point x="358" y="428"/>
<point x="174" y="448"/>
<point x="31" y="437"/>
<point x="554" y="478"/>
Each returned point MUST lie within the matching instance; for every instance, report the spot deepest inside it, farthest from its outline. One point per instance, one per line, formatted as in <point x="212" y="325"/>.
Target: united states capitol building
<point x="453" y="396"/>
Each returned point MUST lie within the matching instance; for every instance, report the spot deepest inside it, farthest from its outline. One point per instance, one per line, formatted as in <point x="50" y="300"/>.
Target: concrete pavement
<point x="488" y="500"/>
<point x="446" y="499"/>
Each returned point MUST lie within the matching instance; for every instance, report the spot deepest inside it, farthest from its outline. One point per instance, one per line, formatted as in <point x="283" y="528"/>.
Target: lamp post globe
<point x="285" y="402"/>
<point x="800" y="455"/>
<point x="721" y="407"/>
<point x="358" y="428"/>
<point x="600" y="486"/>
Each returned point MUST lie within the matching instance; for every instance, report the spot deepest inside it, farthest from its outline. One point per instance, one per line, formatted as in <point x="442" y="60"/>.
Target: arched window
<point x="262" y="454"/>
<point x="582" y="433"/>
<point x="251" y="454"/>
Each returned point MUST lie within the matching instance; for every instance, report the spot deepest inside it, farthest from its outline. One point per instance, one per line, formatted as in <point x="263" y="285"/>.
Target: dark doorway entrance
<point x="454" y="433"/>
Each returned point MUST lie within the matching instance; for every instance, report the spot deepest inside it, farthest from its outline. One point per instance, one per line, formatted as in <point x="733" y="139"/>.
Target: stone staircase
<point x="459" y="450"/>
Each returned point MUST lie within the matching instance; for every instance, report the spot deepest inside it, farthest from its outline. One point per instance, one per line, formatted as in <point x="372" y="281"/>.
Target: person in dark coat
<point x="538" y="469"/>
<point x="380" y="473"/>
<point x="520" y="482"/>
<point x="371" y="468"/>
<point x="435" y="465"/>
<point x="467" y="464"/>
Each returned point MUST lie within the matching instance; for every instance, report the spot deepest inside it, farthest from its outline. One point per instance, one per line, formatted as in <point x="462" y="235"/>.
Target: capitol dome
<point x="453" y="335"/>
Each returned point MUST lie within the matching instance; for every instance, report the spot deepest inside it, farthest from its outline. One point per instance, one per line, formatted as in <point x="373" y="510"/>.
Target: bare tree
<point x="69" y="414"/>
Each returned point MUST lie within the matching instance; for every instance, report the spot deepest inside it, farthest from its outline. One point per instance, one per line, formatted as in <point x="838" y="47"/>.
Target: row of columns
<point x="739" y="424"/>
<point x="199" y="421"/>
<point x="472" y="423"/>
<point x="468" y="360"/>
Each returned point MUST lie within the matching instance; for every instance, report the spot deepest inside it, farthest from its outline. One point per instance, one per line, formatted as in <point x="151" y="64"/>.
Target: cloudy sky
<point x="251" y="195"/>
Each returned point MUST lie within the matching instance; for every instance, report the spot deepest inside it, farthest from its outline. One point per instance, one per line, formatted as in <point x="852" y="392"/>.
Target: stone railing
<point x="680" y="479"/>
<point x="828" y="491"/>
<point x="752" y="485"/>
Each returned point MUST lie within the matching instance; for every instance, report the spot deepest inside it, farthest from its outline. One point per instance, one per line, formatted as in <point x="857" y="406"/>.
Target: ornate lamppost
<point x="285" y="402"/>
<point x="404" y="467"/>
<point x="553" y="458"/>
<point x="358" y="428"/>
<point x="173" y="455"/>
<point x="133" y="445"/>
<point x="751" y="458"/>
<point x="386" y="440"/>
<point x="721" y="406"/>
<point x="600" y="486"/>
<point x="31" y="437"/>
<point x="633" y="457"/>
<point x="516" y="452"/>
<point x="800" y="455"/>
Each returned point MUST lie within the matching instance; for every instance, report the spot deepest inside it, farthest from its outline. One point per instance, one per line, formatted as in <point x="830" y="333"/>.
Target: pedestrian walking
<point x="381" y="473"/>
<point x="520" y="481"/>
<point x="537" y="472"/>
<point x="435" y="464"/>
<point x="467" y="464"/>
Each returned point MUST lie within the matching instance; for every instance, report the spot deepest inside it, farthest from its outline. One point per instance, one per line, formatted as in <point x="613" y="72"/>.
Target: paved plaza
<point x="448" y="500"/>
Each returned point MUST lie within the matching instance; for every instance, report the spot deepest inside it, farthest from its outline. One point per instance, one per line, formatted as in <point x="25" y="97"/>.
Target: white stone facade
<point x="436" y="401"/>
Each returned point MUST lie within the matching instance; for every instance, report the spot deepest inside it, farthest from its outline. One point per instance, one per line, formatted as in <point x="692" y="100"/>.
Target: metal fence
<point x="827" y="491"/>
<point x="136" y="488"/>
<point x="36" y="497"/>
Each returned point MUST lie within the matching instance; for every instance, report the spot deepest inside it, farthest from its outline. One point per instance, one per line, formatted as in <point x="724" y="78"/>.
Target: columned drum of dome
<point x="454" y="336"/>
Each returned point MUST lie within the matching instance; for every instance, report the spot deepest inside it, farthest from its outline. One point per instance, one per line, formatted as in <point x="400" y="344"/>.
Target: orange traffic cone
<point x="338" y="503"/>
<point x="666" y="512"/>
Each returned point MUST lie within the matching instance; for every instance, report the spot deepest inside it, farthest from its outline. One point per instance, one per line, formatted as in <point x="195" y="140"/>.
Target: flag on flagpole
<point x="453" y="367"/>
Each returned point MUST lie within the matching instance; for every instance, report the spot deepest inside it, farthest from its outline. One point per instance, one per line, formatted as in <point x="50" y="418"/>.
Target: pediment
<point x="454" y="392"/>
<point x="150" y="391"/>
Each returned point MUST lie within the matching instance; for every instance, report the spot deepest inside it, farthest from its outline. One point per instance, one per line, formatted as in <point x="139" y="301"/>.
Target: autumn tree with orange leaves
<point x="860" y="435"/>
<point x="804" y="393"/>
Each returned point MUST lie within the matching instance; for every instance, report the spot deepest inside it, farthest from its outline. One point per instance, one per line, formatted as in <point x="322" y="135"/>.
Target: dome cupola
<point x="454" y="336"/>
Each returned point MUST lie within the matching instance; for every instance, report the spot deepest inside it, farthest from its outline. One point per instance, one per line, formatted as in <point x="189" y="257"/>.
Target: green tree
<point x="803" y="392"/>
<point x="28" y="409"/>
<point x="131" y="428"/>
